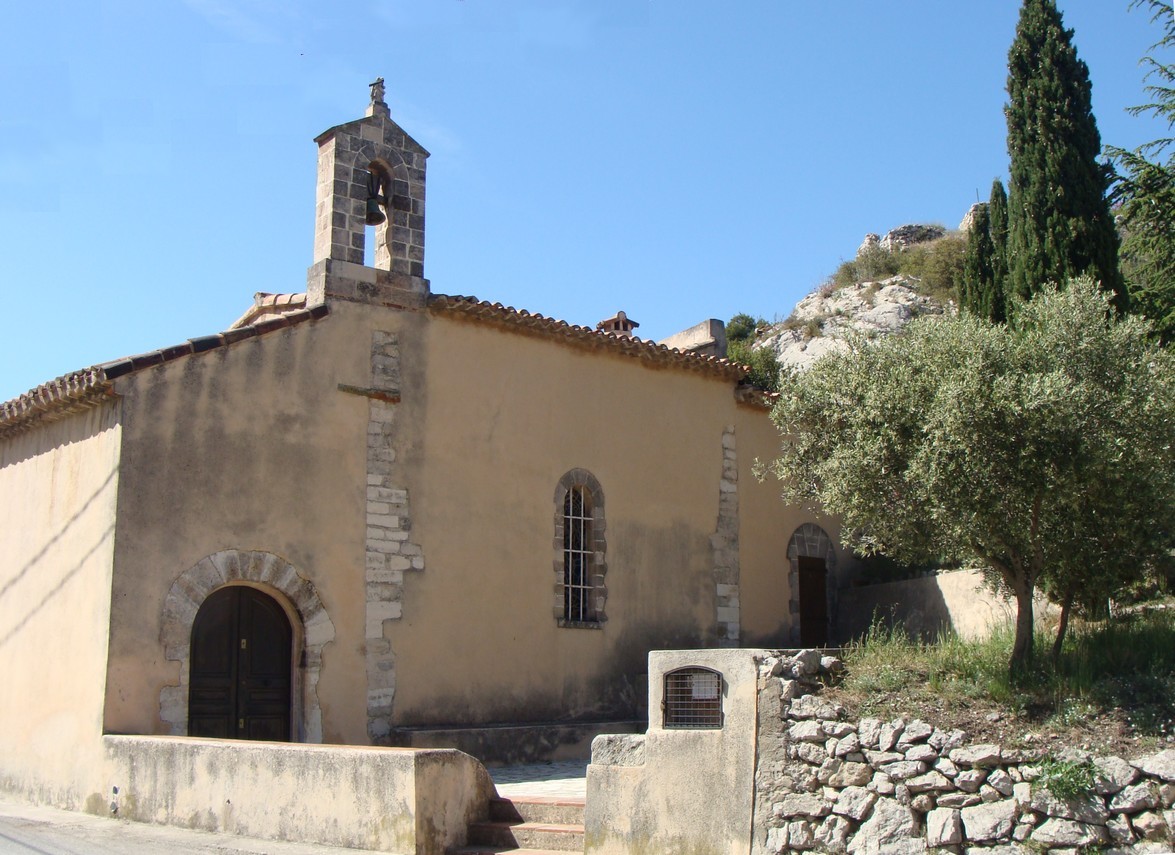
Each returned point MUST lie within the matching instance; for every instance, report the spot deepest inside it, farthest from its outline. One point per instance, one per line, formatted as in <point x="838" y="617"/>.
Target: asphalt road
<point x="34" y="830"/>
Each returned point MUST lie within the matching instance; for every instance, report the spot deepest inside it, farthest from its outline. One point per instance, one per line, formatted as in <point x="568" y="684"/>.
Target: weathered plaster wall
<point x="403" y="464"/>
<point x="250" y="447"/>
<point x="503" y="417"/>
<point x="57" y="500"/>
<point x="386" y="799"/>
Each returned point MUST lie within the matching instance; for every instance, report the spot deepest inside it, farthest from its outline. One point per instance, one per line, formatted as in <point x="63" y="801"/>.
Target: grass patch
<point x="1125" y="665"/>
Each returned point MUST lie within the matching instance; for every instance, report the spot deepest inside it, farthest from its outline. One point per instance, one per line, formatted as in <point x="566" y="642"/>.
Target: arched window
<point x="692" y="699"/>
<point x="579" y="560"/>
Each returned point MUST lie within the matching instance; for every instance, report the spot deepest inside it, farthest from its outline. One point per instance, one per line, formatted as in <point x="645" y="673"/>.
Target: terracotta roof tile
<point x="646" y="351"/>
<point x="80" y="390"/>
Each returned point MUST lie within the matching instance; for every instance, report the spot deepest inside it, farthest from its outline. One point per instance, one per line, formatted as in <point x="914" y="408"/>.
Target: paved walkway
<point x="37" y="830"/>
<point x="567" y="779"/>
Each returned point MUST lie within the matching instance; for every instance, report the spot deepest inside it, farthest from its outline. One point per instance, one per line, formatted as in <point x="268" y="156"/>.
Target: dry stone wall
<point x="828" y="783"/>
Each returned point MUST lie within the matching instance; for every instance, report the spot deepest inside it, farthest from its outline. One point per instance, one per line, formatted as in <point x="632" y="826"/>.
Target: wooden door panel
<point x="239" y="684"/>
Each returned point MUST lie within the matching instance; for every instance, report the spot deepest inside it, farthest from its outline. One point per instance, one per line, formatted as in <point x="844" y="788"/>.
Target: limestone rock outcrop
<point x="825" y="318"/>
<point x="896" y="240"/>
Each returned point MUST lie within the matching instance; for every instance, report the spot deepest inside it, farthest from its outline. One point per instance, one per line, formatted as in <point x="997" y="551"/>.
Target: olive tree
<point x="1042" y="450"/>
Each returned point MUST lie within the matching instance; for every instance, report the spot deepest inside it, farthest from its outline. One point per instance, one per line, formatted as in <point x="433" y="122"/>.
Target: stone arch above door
<point x="809" y="541"/>
<point x="312" y="627"/>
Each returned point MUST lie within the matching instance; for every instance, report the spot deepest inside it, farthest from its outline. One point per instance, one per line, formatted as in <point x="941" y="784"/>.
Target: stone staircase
<point x="528" y="825"/>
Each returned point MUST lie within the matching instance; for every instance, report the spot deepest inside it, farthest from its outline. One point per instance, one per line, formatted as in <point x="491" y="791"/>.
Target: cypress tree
<point x="985" y="263"/>
<point x="997" y="212"/>
<point x="977" y="259"/>
<point x="1059" y="221"/>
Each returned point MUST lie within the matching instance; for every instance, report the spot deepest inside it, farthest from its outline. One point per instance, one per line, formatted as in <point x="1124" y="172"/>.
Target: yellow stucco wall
<point x="254" y="446"/>
<point x="249" y="447"/>
<point x="57" y="501"/>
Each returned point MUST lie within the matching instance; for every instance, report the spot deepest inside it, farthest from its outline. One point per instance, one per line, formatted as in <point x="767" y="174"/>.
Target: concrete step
<point x="560" y="810"/>
<point x="527" y="835"/>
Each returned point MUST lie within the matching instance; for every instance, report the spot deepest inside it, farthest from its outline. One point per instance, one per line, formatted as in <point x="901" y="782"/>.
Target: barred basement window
<point x="692" y="700"/>
<point x="579" y="551"/>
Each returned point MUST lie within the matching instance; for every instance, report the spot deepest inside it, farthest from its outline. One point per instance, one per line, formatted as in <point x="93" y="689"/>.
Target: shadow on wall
<point x="23" y="586"/>
<point x="926" y="607"/>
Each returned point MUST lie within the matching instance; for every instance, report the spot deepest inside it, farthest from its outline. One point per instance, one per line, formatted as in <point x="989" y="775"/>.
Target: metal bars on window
<point x="692" y="699"/>
<point x="577" y="555"/>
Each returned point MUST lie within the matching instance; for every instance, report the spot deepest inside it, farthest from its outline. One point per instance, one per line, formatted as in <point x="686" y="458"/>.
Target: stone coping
<point x="89" y="387"/>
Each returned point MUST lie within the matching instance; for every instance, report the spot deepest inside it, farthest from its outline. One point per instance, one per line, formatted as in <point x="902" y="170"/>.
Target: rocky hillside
<point x="877" y="305"/>
<point x="822" y="320"/>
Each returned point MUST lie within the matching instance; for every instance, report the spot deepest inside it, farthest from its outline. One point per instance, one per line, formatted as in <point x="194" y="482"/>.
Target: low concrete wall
<point x="926" y="607"/>
<point x="681" y="791"/>
<point x="396" y="800"/>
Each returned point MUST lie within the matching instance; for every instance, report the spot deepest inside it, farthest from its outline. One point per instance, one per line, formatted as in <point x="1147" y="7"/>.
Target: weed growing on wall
<point x="1066" y="779"/>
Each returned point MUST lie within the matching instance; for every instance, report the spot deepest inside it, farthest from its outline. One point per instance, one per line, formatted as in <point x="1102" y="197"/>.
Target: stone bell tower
<point x="370" y="187"/>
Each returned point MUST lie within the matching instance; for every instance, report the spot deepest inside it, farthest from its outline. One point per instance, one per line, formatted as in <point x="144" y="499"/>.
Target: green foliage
<point x="1043" y="450"/>
<point x="997" y="212"/>
<point x="764" y="370"/>
<point x="870" y="265"/>
<point x="977" y="261"/>
<point x="937" y="263"/>
<point x="1067" y="779"/>
<point x="1144" y="191"/>
<point x="1059" y="220"/>
<point x="985" y="263"/>
<point x="740" y="339"/>
<point x="1127" y="663"/>
<point x="742" y="327"/>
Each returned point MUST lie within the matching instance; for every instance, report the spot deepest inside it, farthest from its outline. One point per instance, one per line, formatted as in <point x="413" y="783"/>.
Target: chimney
<point x="619" y="325"/>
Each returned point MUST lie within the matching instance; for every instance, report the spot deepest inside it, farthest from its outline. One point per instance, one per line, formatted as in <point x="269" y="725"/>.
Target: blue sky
<point x="678" y="159"/>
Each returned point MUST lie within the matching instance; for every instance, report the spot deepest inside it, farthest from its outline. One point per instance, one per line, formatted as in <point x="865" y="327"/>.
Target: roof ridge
<point x="633" y="346"/>
<point x="88" y="387"/>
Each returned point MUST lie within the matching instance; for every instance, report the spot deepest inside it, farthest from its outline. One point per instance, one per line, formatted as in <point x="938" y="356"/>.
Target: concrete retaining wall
<point x="957" y="601"/>
<point x="395" y="800"/>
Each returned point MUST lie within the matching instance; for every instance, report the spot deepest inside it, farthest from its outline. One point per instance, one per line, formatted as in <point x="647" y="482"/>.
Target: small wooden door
<point x="813" y="602"/>
<point x="240" y="667"/>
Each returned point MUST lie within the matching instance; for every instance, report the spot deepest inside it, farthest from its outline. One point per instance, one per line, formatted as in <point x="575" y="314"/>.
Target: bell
<point x="374" y="215"/>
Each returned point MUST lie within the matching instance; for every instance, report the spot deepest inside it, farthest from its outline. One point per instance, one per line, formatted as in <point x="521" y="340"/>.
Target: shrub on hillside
<point x="938" y="264"/>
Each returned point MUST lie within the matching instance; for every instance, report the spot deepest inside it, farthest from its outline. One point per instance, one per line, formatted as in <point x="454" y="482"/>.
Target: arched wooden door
<point x="239" y="683"/>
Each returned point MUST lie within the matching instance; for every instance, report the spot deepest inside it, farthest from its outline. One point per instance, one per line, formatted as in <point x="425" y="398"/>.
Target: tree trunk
<point x="1062" y="625"/>
<point x="1022" y="647"/>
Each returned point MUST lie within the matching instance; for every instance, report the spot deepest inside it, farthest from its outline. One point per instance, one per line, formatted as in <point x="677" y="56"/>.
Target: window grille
<point x="693" y="699"/>
<point x="577" y="555"/>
